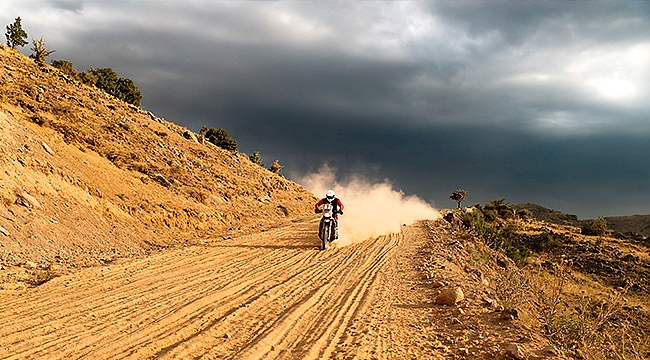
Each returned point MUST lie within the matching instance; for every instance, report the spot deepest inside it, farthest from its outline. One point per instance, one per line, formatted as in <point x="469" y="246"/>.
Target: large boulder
<point x="450" y="296"/>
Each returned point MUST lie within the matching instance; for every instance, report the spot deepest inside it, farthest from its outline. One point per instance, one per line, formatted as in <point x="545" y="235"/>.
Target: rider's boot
<point x="336" y="230"/>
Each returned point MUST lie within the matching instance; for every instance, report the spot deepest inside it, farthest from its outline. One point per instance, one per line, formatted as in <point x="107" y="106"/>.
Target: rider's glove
<point x="341" y="212"/>
<point x="318" y="211"/>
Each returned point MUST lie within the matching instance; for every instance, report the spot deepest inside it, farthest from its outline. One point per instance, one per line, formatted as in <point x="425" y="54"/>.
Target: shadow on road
<point x="305" y="246"/>
<point x="424" y="305"/>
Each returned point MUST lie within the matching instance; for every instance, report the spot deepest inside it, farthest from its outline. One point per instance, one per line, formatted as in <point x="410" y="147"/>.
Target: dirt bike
<point x="327" y="226"/>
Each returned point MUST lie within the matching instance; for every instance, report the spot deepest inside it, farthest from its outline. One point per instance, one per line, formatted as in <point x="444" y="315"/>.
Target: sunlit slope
<point x="87" y="178"/>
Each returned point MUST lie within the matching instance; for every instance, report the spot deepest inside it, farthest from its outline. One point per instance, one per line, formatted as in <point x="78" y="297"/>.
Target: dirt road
<point x="272" y="295"/>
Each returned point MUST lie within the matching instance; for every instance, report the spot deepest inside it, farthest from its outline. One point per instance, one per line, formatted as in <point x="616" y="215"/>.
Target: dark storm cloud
<point x="75" y="6"/>
<point x="591" y="176"/>
<point x="519" y="22"/>
<point x="537" y="101"/>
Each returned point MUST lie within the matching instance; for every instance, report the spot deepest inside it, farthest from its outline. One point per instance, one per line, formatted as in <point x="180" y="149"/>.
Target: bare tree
<point x="40" y="53"/>
<point x="276" y="167"/>
<point x="204" y="130"/>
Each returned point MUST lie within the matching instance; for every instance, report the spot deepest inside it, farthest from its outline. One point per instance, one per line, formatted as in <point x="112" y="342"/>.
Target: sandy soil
<point x="272" y="295"/>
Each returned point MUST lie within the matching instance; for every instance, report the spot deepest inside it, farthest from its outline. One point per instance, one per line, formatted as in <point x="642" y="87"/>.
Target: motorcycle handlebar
<point x="318" y="211"/>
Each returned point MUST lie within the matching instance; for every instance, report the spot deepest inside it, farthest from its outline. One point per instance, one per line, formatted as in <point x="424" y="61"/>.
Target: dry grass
<point x="568" y="295"/>
<point x="582" y="317"/>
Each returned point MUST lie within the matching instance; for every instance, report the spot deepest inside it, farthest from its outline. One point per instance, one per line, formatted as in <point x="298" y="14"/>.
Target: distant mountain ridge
<point x="637" y="224"/>
<point x="549" y="215"/>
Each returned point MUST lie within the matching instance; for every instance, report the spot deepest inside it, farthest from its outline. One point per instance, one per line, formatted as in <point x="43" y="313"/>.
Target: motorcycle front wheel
<point x="326" y="232"/>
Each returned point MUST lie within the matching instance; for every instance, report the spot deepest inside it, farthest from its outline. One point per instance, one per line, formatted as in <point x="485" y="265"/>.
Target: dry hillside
<point x="635" y="224"/>
<point x="589" y="294"/>
<point x="87" y="178"/>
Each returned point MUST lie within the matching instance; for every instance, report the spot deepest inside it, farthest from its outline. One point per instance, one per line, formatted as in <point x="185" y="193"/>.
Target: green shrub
<point x="501" y="207"/>
<point x="128" y="92"/>
<point x="545" y="241"/>
<point x="480" y="220"/>
<point x="87" y="77"/>
<point x="256" y="158"/>
<point x="508" y="240"/>
<point x="490" y="214"/>
<point x="122" y="88"/>
<point x="66" y="67"/>
<point x="594" y="227"/>
<point x="106" y="79"/>
<point x="221" y="138"/>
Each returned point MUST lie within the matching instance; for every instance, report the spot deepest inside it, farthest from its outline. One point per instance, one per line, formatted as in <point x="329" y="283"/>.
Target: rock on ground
<point x="450" y="296"/>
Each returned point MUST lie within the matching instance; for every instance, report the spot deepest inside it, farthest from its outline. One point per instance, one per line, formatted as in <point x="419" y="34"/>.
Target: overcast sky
<point x="544" y="102"/>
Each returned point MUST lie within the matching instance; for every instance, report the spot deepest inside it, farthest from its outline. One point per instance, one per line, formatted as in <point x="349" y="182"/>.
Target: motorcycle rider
<point x="330" y="198"/>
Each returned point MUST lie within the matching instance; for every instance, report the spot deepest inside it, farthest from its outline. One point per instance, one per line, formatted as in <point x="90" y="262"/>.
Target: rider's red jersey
<point x="338" y="206"/>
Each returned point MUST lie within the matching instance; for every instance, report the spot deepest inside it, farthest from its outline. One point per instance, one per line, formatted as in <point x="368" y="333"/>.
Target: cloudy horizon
<point x="532" y="101"/>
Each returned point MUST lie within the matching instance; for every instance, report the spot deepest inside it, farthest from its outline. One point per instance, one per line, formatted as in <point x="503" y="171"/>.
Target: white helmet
<point x="330" y="194"/>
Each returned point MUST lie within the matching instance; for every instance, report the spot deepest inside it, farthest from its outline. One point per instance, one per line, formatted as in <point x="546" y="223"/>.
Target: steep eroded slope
<point x="87" y="178"/>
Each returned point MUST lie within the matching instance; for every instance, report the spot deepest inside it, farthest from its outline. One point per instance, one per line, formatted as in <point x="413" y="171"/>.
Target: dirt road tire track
<point x="272" y="295"/>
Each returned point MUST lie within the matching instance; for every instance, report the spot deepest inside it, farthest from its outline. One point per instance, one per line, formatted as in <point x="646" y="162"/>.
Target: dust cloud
<point x="371" y="209"/>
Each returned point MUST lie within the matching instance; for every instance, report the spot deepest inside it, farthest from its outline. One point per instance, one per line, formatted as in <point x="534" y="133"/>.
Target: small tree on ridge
<point x="459" y="195"/>
<point x="40" y="53"/>
<point x="276" y="167"/>
<point x="256" y="158"/>
<point x="15" y="34"/>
